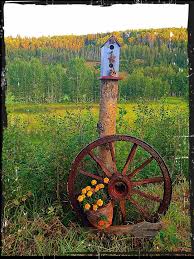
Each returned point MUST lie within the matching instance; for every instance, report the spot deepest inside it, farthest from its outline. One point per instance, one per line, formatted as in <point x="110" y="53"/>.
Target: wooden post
<point x="107" y="115"/>
<point x="108" y="107"/>
<point x="110" y="52"/>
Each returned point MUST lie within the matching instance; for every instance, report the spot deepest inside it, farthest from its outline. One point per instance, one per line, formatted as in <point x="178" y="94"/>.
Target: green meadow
<point x="39" y="146"/>
<point x="32" y="112"/>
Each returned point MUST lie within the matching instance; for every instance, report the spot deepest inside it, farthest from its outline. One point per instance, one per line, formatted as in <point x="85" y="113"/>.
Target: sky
<point x="36" y="20"/>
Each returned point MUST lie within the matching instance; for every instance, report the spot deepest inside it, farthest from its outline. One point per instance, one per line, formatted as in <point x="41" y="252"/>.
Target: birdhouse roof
<point x="113" y="39"/>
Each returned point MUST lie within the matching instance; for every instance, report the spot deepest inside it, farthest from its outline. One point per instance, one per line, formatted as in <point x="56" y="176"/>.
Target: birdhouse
<point x="110" y="53"/>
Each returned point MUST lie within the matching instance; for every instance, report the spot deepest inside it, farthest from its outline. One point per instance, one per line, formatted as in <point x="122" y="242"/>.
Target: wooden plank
<point x="140" y="230"/>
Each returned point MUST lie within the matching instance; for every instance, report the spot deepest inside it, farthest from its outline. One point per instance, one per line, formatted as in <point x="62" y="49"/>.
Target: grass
<point x="28" y="112"/>
<point x="40" y="144"/>
<point x="46" y="235"/>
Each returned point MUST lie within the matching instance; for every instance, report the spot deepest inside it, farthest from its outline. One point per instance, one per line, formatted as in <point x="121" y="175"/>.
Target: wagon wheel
<point x="130" y="187"/>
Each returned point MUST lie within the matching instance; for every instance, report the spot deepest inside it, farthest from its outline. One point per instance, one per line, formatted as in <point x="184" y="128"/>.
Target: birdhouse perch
<point x="110" y="52"/>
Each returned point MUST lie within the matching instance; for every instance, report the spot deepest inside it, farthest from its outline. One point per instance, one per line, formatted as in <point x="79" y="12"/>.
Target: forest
<point x="59" y="69"/>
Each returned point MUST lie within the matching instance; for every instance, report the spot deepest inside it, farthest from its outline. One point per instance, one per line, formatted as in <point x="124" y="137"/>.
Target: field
<point x="41" y="142"/>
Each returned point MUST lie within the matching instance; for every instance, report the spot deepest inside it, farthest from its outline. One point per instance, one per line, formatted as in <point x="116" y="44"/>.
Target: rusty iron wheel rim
<point x="124" y="180"/>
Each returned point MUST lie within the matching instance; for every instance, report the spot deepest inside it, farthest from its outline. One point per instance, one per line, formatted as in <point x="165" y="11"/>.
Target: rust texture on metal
<point x="122" y="185"/>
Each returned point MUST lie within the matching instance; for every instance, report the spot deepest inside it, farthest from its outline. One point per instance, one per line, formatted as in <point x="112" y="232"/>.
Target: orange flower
<point x="101" y="185"/>
<point x="95" y="207"/>
<point x="99" y="202"/>
<point x="106" y="180"/>
<point x="87" y="206"/>
<point x="80" y="198"/>
<point x="84" y="191"/>
<point x="88" y="188"/>
<point x="97" y="188"/>
<point x="93" y="182"/>
<point x="89" y="193"/>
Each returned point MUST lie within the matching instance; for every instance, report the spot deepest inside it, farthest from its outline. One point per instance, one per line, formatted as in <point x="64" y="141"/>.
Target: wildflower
<point x="89" y="193"/>
<point x="93" y="182"/>
<point x="84" y="191"/>
<point x="87" y="206"/>
<point x="50" y="210"/>
<point x="95" y="207"/>
<point x="24" y="198"/>
<point x="106" y="180"/>
<point x="99" y="202"/>
<point x="80" y="198"/>
<point x="88" y="188"/>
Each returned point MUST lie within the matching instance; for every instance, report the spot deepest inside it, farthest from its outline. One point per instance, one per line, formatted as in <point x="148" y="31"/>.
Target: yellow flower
<point x="87" y="206"/>
<point x="101" y="185"/>
<point x="88" y="188"/>
<point x="95" y="207"/>
<point x="84" y="191"/>
<point x="93" y="182"/>
<point x="106" y="180"/>
<point x="99" y="202"/>
<point x="84" y="196"/>
<point x="89" y="193"/>
<point x="80" y="198"/>
<point x="24" y="198"/>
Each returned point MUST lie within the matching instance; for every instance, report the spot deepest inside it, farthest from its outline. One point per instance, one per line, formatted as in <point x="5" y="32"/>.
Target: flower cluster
<point x="94" y="196"/>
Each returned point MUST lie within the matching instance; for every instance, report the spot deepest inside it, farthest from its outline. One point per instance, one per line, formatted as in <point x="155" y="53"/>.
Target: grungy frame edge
<point x="105" y="3"/>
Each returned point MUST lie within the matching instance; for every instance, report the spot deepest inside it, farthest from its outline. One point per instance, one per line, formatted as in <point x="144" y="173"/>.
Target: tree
<point x="80" y="80"/>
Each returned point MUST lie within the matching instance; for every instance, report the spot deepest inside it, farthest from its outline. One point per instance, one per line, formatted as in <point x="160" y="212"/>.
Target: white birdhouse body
<point x="110" y="53"/>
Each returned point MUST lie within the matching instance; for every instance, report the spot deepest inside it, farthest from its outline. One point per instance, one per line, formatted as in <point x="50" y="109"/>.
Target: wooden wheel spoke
<point x="147" y="195"/>
<point x="91" y="175"/>
<point x="126" y="185"/>
<point x="123" y="209"/>
<point x="148" y="181"/>
<point x="112" y="151"/>
<point x="139" y="207"/>
<point x="137" y="170"/>
<point x="100" y="163"/>
<point x="129" y="158"/>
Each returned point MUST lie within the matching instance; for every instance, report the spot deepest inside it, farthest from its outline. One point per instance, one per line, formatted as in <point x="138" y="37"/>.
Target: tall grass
<point x="36" y="164"/>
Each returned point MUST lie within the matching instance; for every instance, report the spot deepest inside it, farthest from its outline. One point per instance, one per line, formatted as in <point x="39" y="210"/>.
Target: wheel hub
<point x="119" y="187"/>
